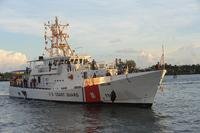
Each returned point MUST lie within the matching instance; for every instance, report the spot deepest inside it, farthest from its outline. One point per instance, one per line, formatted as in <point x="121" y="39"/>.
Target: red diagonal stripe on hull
<point x="92" y="94"/>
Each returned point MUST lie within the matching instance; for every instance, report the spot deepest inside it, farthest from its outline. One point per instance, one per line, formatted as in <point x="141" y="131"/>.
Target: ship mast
<point x="56" y="37"/>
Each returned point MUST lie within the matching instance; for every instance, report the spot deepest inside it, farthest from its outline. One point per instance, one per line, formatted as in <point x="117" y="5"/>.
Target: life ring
<point x="113" y="96"/>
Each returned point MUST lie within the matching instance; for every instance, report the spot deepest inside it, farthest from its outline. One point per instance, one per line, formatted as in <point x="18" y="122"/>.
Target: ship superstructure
<point x="62" y="75"/>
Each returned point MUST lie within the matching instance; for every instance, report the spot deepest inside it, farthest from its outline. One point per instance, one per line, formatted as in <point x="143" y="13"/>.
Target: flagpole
<point x="163" y="52"/>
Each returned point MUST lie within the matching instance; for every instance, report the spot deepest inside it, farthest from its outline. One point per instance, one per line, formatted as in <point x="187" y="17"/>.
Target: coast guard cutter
<point x="62" y="75"/>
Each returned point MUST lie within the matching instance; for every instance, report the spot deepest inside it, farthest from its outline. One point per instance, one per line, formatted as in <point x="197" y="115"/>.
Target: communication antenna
<point x="56" y="39"/>
<point x="163" y="55"/>
<point x="162" y="59"/>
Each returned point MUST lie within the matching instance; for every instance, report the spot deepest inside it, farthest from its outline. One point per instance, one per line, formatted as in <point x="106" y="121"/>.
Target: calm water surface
<point x="176" y="109"/>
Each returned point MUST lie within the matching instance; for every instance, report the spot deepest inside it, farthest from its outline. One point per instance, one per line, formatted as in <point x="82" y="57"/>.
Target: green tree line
<point x="5" y="76"/>
<point x="180" y="69"/>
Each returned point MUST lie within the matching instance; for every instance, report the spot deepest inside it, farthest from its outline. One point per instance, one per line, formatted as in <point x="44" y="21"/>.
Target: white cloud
<point x="10" y="60"/>
<point x="188" y="54"/>
<point x="146" y="58"/>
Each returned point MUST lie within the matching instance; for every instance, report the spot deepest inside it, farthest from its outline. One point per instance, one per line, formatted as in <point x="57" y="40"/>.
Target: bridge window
<point x="76" y="61"/>
<point x="81" y="60"/>
<point x="39" y="79"/>
<point x="72" y="60"/>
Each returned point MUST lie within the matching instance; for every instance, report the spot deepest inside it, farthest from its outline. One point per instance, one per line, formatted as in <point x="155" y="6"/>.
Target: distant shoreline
<point x="2" y="80"/>
<point x="182" y="74"/>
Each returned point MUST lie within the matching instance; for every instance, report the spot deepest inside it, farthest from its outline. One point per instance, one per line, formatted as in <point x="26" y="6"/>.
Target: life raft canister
<point x="113" y="96"/>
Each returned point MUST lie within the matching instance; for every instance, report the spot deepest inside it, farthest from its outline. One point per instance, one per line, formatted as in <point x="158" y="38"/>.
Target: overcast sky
<point x="104" y="29"/>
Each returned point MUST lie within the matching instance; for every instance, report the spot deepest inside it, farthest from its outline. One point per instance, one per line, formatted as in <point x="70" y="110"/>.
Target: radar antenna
<point x="57" y="39"/>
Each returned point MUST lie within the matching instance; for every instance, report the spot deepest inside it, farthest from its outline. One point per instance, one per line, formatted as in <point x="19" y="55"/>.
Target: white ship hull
<point x="136" y="88"/>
